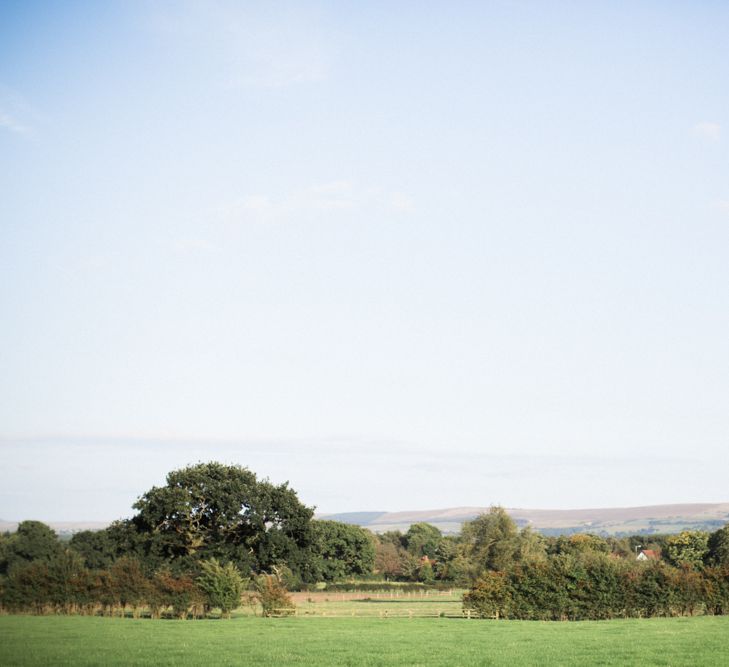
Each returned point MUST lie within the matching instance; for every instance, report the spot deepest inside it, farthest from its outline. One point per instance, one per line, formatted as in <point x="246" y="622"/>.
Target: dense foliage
<point x="215" y="511"/>
<point x="215" y="534"/>
<point x="586" y="577"/>
<point x="342" y="550"/>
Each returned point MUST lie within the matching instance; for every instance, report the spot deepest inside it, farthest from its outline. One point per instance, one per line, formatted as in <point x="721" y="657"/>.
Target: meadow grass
<point x="322" y="642"/>
<point x="384" y="603"/>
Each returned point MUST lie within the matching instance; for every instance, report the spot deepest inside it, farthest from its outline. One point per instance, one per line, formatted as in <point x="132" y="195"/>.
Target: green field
<point x="317" y="641"/>
<point x="392" y="604"/>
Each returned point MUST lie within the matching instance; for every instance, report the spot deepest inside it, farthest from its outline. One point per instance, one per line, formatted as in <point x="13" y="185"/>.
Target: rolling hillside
<point x="611" y="521"/>
<point x="605" y="521"/>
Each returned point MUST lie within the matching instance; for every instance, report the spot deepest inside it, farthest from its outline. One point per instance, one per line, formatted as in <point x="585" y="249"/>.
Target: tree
<point x="95" y="547"/>
<point x="426" y="573"/>
<point x="718" y="547"/>
<point x="176" y="591"/>
<point x="489" y="595"/>
<point x="213" y="510"/>
<point x="344" y="550"/>
<point x="531" y="546"/>
<point x="101" y="548"/>
<point x="32" y="541"/>
<point x="128" y="585"/>
<point x="272" y="595"/>
<point x="448" y="562"/>
<point x="387" y="560"/>
<point x="223" y="585"/>
<point x="394" y="537"/>
<point x="491" y="540"/>
<point x="581" y="543"/>
<point x="423" y="539"/>
<point x="689" y="547"/>
<point x="409" y="566"/>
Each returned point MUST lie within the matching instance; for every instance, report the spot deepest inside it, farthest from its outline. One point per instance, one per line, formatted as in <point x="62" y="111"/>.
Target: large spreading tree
<point x="211" y="510"/>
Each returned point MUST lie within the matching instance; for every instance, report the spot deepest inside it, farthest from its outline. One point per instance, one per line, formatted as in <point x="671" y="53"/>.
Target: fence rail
<point x="410" y="613"/>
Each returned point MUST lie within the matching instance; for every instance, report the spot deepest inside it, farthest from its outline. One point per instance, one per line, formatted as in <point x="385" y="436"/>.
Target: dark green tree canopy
<point x="32" y="541"/>
<point x="344" y="550"/>
<point x="423" y="539"/>
<point x="223" y="511"/>
<point x="719" y="547"/>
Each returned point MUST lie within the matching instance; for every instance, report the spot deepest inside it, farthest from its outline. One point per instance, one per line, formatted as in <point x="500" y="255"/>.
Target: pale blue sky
<point x="404" y="255"/>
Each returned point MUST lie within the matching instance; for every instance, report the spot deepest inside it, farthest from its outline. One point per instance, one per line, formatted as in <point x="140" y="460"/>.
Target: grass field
<point x="392" y="604"/>
<point x="322" y="642"/>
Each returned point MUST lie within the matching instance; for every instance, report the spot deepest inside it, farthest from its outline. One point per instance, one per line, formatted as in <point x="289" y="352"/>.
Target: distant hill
<point x="63" y="528"/>
<point x="605" y="521"/>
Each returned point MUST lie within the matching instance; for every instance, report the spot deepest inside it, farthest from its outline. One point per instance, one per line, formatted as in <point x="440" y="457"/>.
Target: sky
<point x="403" y="255"/>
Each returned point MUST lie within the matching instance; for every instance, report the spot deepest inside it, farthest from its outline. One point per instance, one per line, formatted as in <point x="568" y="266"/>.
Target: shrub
<point x="272" y="594"/>
<point x="127" y="583"/>
<point x="222" y="584"/>
<point x="489" y="597"/>
<point x="178" y="592"/>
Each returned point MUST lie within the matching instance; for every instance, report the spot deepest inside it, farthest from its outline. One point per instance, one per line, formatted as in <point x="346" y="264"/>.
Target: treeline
<point x="64" y="585"/>
<point x="211" y="531"/>
<point x="595" y="586"/>
<point x="493" y="541"/>
<point x="215" y="536"/>
<point x="589" y="577"/>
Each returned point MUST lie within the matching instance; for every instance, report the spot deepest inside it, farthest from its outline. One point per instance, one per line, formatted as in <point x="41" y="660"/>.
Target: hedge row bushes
<point x="598" y="586"/>
<point x="64" y="585"/>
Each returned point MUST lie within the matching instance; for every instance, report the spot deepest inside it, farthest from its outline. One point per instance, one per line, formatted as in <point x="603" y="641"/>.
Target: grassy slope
<point x="28" y="640"/>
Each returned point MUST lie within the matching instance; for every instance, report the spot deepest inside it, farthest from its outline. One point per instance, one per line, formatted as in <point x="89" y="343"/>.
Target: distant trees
<point x="388" y="560"/>
<point x="689" y="547"/>
<point x="718" y="547"/>
<point x="342" y="550"/>
<point x="580" y="543"/>
<point x="419" y="555"/>
<point x="32" y="541"/>
<point x="214" y="534"/>
<point x="423" y="539"/>
<point x="95" y="547"/>
<point x="492" y="541"/>
<point x="585" y="576"/>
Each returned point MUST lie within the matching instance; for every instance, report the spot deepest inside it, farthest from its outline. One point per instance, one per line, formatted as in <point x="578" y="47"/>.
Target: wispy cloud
<point x="244" y="46"/>
<point x="723" y="206"/>
<point x="16" y="114"/>
<point x="98" y="476"/>
<point x="707" y="130"/>
<point x="9" y="122"/>
<point x="326" y="198"/>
